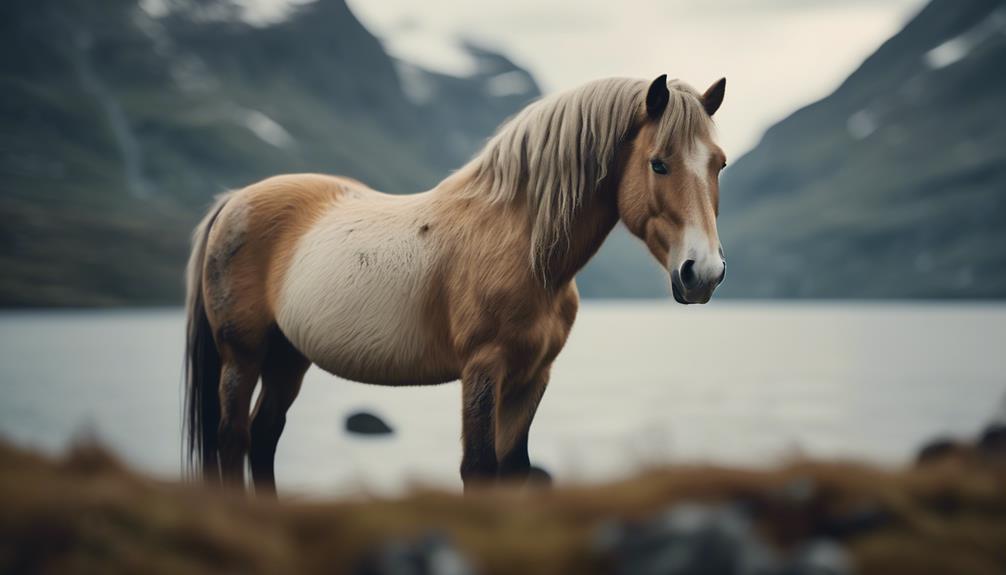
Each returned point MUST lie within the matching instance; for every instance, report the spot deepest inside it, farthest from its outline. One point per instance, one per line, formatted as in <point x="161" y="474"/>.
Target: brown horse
<point x="470" y="280"/>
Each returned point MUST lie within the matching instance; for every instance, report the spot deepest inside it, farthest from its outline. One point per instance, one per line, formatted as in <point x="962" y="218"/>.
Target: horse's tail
<point x="202" y="361"/>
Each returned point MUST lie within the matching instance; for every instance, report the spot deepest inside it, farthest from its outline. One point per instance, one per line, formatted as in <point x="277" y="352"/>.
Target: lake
<point x="639" y="384"/>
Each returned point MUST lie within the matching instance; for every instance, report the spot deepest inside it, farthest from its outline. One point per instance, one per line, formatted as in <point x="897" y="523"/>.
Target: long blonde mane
<point x="559" y="149"/>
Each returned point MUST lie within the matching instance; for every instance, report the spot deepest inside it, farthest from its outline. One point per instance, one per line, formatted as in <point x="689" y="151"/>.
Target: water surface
<point x="638" y="384"/>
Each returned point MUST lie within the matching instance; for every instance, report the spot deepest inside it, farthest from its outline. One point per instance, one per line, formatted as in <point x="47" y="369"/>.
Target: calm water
<point x="638" y="384"/>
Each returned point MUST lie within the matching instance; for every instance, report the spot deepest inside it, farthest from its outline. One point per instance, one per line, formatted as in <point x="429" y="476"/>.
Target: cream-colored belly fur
<point x="353" y="297"/>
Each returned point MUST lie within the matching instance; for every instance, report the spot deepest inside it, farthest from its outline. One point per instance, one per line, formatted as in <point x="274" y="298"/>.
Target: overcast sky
<point x="777" y="55"/>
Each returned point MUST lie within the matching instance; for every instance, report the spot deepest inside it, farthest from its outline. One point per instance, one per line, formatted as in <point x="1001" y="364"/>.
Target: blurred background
<point x="867" y="179"/>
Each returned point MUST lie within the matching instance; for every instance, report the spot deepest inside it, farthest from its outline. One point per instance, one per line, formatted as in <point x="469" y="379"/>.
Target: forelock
<point x="684" y="120"/>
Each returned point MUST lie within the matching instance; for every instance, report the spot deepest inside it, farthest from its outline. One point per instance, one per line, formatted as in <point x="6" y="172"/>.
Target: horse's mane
<point x="557" y="150"/>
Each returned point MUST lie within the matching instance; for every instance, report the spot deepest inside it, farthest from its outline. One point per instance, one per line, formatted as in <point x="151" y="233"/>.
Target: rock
<point x="989" y="447"/>
<point x="689" y="539"/>
<point x="819" y="557"/>
<point x="860" y="519"/>
<point x="993" y="440"/>
<point x="692" y="539"/>
<point x="431" y="554"/>
<point x="365" y="423"/>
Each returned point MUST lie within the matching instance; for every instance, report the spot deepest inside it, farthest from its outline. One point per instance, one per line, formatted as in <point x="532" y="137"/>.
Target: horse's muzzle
<point x="688" y="287"/>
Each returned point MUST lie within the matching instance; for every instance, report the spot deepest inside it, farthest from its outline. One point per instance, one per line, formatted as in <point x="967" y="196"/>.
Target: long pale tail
<point x="202" y="361"/>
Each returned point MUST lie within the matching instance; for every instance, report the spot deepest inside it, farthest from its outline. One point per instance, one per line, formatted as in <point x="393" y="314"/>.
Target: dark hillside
<point x="894" y="186"/>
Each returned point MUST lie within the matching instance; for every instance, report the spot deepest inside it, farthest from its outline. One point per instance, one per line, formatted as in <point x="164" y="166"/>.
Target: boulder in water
<point x="366" y="423"/>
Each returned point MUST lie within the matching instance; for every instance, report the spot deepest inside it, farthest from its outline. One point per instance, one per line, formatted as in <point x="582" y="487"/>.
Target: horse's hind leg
<point x="238" y="376"/>
<point x="282" y="373"/>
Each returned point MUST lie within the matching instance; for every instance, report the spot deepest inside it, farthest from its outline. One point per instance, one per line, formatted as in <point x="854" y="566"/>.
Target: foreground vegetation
<point x="87" y="513"/>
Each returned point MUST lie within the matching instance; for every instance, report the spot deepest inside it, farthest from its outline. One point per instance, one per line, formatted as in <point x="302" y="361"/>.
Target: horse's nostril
<point x="688" y="277"/>
<point x="723" y="273"/>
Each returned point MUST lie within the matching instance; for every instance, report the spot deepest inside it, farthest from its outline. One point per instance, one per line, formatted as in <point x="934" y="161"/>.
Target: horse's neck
<point x="594" y="221"/>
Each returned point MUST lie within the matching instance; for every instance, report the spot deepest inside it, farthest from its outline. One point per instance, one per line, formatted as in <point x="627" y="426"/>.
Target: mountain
<point x="119" y="126"/>
<point x="894" y="186"/>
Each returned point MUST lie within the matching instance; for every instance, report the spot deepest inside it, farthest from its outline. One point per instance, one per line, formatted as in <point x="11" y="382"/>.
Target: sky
<point x="777" y="55"/>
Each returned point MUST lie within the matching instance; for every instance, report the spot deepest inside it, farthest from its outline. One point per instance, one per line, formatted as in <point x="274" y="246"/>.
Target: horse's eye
<point x="658" y="166"/>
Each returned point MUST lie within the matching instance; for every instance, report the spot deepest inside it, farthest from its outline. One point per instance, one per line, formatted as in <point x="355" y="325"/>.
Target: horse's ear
<point x="657" y="96"/>
<point x="713" y="97"/>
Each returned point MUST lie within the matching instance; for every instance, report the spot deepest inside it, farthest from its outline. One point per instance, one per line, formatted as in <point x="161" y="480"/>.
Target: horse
<point x="472" y="280"/>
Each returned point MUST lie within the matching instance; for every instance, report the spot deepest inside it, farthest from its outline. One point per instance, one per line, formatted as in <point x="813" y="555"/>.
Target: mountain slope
<point x="894" y="186"/>
<point x="119" y="127"/>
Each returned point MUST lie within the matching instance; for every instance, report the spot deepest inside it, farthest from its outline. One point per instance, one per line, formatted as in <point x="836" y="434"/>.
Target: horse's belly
<point x="353" y="302"/>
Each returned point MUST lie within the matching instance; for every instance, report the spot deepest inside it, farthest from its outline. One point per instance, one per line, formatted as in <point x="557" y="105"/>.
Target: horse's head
<point x="669" y="190"/>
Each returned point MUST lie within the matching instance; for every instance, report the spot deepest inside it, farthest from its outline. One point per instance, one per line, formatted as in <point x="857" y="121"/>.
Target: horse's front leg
<point x="497" y="414"/>
<point x="479" y="383"/>
<point x="515" y="410"/>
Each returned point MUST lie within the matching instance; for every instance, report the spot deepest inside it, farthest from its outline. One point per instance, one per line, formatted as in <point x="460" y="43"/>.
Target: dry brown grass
<point x="86" y="513"/>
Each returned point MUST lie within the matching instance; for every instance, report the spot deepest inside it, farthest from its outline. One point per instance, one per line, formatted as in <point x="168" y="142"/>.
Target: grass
<point x="87" y="513"/>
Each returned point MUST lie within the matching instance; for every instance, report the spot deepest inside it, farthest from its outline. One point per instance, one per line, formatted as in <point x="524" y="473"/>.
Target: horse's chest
<point x="353" y="300"/>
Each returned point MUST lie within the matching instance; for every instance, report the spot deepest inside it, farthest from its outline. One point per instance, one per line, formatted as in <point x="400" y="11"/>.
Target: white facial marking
<point x="693" y="241"/>
<point x="696" y="245"/>
<point x="697" y="160"/>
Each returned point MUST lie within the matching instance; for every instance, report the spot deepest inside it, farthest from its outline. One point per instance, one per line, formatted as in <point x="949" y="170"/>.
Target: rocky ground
<point x="87" y="513"/>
